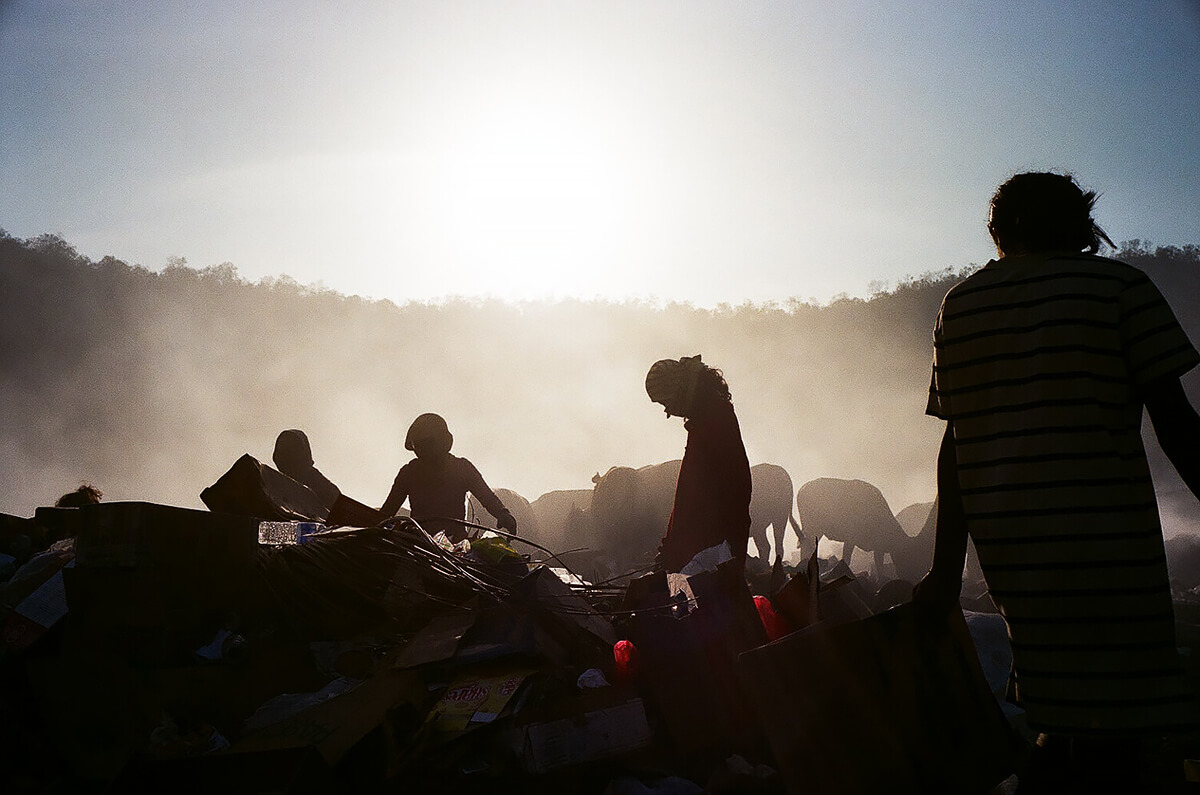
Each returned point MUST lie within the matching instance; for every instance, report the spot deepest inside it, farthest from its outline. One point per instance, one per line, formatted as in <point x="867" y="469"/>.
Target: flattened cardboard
<point x="475" y="698"/>
<point x="894" y="703"/>
<point x="558" y="598"/>
<point x="438" y="640"/>
<point x="590" y="736"/>
<point x="37" y="613"/>
<point x="334" y="726"/>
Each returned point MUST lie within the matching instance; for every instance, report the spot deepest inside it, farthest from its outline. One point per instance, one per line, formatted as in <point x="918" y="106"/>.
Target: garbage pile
<point x="266" y="645"/>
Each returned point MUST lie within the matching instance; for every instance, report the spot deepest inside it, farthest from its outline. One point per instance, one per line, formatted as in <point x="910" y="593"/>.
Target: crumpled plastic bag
<point x="492" y="549"/>
<point x="36" y="571"/>
<point x="443" y="541"/>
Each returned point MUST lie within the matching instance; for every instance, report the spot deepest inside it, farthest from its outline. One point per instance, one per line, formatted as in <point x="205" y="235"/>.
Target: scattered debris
<point x="264" y="646"/>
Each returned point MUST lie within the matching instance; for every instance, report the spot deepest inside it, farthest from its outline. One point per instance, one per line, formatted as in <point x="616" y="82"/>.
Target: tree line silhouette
<point x="150" y="383"/>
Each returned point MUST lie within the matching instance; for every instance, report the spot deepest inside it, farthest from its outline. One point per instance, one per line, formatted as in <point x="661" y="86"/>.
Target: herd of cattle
<point x="615" y="527"/>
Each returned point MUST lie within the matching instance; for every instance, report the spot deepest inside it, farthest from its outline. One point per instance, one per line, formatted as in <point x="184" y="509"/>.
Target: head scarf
<point x="672" y="383"/>
<point x="292" y="451"/>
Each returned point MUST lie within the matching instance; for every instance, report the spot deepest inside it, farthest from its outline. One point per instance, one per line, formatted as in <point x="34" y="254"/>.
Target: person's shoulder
<point x="721" y="417"/>
<point x="1035" y="268"/>
<point x="1094" y="264"/>
<point x="460" y="463"/>
<point x="980" y="276"/>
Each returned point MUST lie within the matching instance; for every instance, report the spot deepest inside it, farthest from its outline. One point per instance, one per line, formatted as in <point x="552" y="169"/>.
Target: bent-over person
<point x="712" y="495"/>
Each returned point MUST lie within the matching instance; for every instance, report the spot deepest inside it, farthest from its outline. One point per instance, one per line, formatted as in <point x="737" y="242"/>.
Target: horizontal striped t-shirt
<point x="1039" y="362"/>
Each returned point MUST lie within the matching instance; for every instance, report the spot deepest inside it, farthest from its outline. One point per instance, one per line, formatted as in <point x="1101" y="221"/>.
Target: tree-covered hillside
<point x="151" y="384"/>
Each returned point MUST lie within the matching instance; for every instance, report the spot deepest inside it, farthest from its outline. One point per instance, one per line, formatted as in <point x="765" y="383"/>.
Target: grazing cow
<point x="923" y="517"/>
<point x="629" y="512"/>
<point x="771" y="507"/>
<point x="518" y="506"/>
<point x="914" y="517"/>
<point x="920" y="523"/>
<point x="553" y="511"/>
<point x="629" y="509"/>
<point x="855" y="513"/>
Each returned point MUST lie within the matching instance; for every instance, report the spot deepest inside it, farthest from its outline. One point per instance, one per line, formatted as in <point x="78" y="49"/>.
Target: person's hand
<point x="506" y="521"/>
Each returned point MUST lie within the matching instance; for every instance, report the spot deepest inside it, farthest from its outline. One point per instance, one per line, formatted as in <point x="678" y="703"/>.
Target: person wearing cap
<point x="712" y="494"/>
<point x="436" y="483"/>
<point x="293" y="457"/>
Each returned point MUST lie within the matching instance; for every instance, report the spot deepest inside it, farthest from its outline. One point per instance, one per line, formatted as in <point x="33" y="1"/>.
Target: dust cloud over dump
<point x="151" y="384"/>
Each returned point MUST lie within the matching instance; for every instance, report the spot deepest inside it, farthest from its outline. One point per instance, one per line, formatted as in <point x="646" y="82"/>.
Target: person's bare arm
<point x="1177" y="426"/>
<point x="943" y="584"/>
<point x="395" y="499"/>
<point x="488" y="499"/>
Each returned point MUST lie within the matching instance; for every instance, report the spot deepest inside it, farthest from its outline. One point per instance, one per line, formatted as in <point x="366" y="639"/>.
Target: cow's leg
<point x="879" y="575"/>
<point x="804" y="547"/>
<point x="761" y="543"/>
<point x="806" y="543"/>
<point x="847" y="552"/>
<point x="779" y="529"/>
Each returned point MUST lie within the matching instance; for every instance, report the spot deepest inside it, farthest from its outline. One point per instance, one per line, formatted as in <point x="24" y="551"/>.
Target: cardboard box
<point x="334" y="726"/>
<point x="894" y="703"/>
<point x="590" y="736"/>
<point x="438" y="640"/>
<point x="251" y="488"/>
<point x="143" y="534"/>
<point x="475" y="698"/>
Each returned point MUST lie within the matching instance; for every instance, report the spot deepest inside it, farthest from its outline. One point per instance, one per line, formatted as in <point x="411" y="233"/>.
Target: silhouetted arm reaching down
<point x="942" y="585"/>
<point x="1177" y="426"/>
<point x="488" y="499"/>
<point x="395" y="498"/>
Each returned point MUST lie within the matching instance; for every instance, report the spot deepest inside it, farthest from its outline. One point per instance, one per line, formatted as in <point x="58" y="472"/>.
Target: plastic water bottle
<point x="275" y="533"/>
<point x="305" y="530"/>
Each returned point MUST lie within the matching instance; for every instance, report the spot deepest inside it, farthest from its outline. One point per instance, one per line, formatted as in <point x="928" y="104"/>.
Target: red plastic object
<point x="627" y="661"/>
<point x="776" y="625"/>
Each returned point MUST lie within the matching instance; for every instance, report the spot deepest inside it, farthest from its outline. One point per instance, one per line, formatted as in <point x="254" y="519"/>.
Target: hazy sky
<point x="693" y="151"/>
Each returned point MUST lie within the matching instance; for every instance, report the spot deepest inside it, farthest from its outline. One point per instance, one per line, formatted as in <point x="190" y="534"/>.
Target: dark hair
<point x="1040" y="211"/>
<point x="710" y="388"/>
<point x="86" y="494"/>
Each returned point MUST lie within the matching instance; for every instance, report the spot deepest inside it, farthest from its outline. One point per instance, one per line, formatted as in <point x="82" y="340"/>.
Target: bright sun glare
<point x="536" y="196"/>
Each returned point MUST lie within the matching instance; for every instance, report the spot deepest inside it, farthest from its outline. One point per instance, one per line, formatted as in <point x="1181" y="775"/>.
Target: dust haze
<point x="151" y="384"/>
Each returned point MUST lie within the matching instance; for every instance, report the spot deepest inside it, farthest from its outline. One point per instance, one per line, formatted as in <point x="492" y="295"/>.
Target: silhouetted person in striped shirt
<point x="1043" y="361"/>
